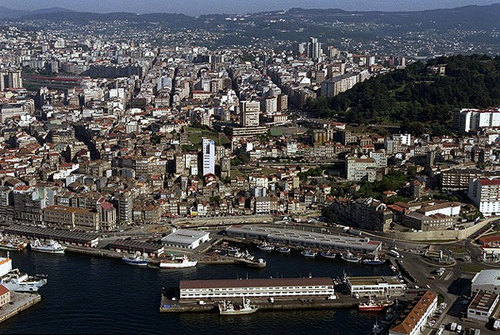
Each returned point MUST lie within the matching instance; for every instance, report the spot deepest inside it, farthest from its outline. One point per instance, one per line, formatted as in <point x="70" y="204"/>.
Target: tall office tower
<point x="314" y="49"/>
<point x="208" y="147"/>
<point x="15" y="80"/>
<point x="250" y="113"/>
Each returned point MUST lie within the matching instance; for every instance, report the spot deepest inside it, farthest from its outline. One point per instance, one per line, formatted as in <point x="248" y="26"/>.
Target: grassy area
<point x="196" y="135"/>
<point x="459" y="249"/>
<point x="472" y="268"/>
<point x="268" y="171"/>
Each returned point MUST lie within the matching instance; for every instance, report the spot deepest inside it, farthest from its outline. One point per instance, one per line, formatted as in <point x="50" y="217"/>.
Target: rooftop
<point x="264" y="282"/>
<point x="184" y="236"/>
<point x="414" y="316"/>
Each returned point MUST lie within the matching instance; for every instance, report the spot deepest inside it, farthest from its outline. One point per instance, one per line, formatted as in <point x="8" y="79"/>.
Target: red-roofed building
<point x="416" y="319"/>
<point x="4" y="295"/>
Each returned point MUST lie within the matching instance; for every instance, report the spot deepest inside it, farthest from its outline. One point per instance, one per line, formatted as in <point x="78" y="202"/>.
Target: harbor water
<point x="99" y="295"/>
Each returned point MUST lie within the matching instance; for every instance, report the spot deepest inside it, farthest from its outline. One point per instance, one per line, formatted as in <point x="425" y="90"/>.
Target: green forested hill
<point x="417" y="101"/>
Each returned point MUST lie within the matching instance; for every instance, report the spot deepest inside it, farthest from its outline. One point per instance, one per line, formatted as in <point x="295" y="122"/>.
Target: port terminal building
<point x="268" y="287"/>
<point x="378" y="286"/>
<point x="185" y="238"/>
<point x="76" y="238"/>
<point x="307" y="239"/>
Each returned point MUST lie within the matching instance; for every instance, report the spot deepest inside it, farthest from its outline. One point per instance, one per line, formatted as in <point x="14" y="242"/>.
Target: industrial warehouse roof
<point x="483" y="301"/>
<point x="487" y="277"/>
<point x="184" y="236"/>
<point x="302" y="236"/>
<point x="134" y="245"/>
<point x="51" y="233"/>
<point x="266" y="282"/>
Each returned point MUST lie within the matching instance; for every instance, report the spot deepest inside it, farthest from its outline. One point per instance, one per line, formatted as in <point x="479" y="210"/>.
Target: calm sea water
<point x="98" y="295"/>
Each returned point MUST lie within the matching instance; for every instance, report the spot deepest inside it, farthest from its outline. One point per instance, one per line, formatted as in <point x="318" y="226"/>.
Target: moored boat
<point x="373" y="261"/>
<point x="265" y="247"/>
<point x="136" y="259"/>
<point x="328" y="254"/>
<point x="308" y="253"/>
<point x="51" y="247"/>
<point x="259" y="263"/>
<point x="228" y="308"/>
<point x="177" y="263"/>
<point x="283" y="250"/>
<point x="350" y="257"/>
<point x="15" y="280"/>
<point x="374" y="306"/>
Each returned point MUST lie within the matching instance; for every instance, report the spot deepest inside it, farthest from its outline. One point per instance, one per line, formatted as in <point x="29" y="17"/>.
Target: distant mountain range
<point x="480" y="17"/>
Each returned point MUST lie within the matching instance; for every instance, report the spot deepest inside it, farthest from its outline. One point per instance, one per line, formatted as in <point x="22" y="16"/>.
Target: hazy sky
<point x="196" y="7"/>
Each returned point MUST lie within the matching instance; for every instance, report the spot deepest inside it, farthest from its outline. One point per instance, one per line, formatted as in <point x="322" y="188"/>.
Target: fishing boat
<point x="228" y="308"/>
<point x="283" y="250"/>
<point x="177" y="263"/>
<point x="12" y="245"/>
<point x="373" y="261"/>
<point x="374" y="306"/>
<point x="265" y="247"/>
<point x="259" y="263"/>
<point x="377" y="329"/>
<point x="51" y="247"/>
<point x="328" y="254"/>
<point x="350" y="257"/>
<point x="308" y="253"/>
<point x="136" y="259"/>
<point x="15" y="280"/>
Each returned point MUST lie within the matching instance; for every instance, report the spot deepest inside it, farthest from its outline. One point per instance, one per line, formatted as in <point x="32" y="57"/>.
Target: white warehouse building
<point x="185" y="238"/>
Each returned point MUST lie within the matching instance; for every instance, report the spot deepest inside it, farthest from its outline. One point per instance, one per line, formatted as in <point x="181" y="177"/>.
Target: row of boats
<point x="174" y="262"/>
<point x="51" y="246"/>
<point x="346" y="256"/>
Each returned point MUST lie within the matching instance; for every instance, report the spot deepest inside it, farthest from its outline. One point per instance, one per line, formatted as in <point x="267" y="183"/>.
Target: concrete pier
<point x="19" y="302"/>
<point x="293" y="303"/>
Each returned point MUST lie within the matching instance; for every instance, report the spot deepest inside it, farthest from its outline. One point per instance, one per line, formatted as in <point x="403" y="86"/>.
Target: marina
<point x="106" y="276"/>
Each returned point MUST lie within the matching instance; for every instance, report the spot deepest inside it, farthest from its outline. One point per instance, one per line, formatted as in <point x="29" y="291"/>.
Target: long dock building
<point x="268" y="287"/>
<point x="307" y="239"/>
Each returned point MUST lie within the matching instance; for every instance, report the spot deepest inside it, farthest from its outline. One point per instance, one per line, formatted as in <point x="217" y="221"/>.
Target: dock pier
<point x="19" y="302"/>
<point x="295" y="303"/>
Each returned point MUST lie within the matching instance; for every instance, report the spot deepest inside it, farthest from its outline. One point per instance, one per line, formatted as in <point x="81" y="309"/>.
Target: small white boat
<point x="51" y="247"/>
<point x="265" y="247"/>
<point x="349" y="257"/>
<point x="228" y="308"/>
<point x="21" y="282"/>
<point x="308" y="253"/>
<point x="283" y="250"/>
<point x="178" y="263"/>
<point x="137" y="259"/>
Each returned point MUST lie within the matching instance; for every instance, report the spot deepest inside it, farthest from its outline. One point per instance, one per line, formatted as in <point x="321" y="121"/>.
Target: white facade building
<point x="485" y="193"/>
<point x="208" y="156"/>
<point x="416" y="319"/>
<point x="375" y="286"/>
<point x="269" y="287"/>
<point x="186" y="238"/>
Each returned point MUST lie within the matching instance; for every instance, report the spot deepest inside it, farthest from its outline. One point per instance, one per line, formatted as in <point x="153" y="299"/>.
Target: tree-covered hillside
<point x="416" y="100"/>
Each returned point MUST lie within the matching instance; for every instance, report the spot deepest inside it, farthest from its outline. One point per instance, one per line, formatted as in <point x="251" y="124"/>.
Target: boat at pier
<point x="350" y="257"/>
<point x="374" y="306"/>
<point x="373" y="261"/>
<point x="228" y="308"/>
<point x="259" y="263"/>
<point x="51" y="247"/>
<point x="136" y="259"/>
<point x="15" y="280"/>
<point x="328" y="254"/>
<point x="12" y="245"/>
<point x="308" y="253"/>
<point x="265" y="247"/>
<point x="283" y="250"/>
<point x="177" y="263"/>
